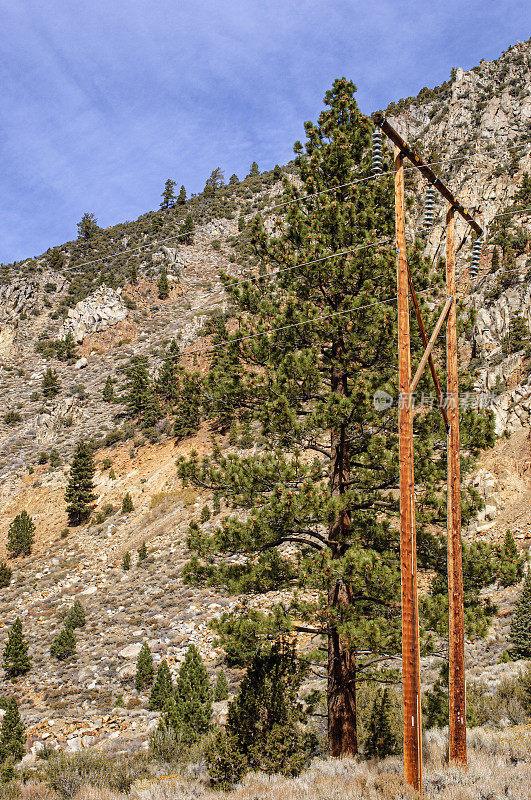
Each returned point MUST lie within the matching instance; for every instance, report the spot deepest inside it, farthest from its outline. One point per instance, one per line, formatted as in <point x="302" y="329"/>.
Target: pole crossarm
<point x="424" y="337"/>
<point x="429" y="346"/>
<point x="428" y="173"/>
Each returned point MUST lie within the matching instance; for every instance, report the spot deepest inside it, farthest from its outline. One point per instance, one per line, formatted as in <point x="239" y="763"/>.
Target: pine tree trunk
<point x="342" y="736"/>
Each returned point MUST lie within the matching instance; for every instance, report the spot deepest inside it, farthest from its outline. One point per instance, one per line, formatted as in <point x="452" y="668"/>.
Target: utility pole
<point x="456" y="645"/>
<point x="410" y="640"/>
<point x="408" y="547"/>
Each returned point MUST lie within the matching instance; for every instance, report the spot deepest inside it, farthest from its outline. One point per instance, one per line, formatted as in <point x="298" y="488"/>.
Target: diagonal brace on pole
<point x="424" y="337"/>
<point x="429" y="347"/>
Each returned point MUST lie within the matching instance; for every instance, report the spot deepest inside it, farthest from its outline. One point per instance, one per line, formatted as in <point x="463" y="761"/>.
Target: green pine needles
<point x="521" y="622"/>
<point x="20" y="535"/>
<point x="144" y="669"/>
<point x="15" y="659"/>
<point x="189" y="711"/>
<point x="12" y="734"/>
<point x="324" y="477"/>
<point x="162" y="690"/>
<point x="79" y="493"/>
<point x="64" y="644"/>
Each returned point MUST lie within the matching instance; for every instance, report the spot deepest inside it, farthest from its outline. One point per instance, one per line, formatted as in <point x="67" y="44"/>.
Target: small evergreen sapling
<point x="127" y="504"/>
<point x="6" y="573"/>
<point x="511" y="563"/>
<point x="163" y="285"/>
<point x="126" y="562"/>
<point x="189" y="712"/>
<point x="15" y="659"/>
<point x="12" y="733"/>
<point x="142" y="552"/>
<point x="221" y="689"/>
<point x="381" y="740"/>
<point x="64" y="644"/>
<point x="108" y="390"/>
<point x="76" y="616"/>
<point x="521" y="622"/>
<point x="144" y="668"/>
<point x="162" y="690"/>
<point x="20" y="535"/>
<point x="79" y="493"/>
<point x="262" y="730"/>
<point x="50" y="383"/>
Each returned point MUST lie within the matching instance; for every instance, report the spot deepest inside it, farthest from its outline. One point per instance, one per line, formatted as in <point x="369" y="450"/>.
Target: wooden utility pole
<point x="456" y="687"/>
<point x="408" y="547"/>
<point x="410" y="640"/>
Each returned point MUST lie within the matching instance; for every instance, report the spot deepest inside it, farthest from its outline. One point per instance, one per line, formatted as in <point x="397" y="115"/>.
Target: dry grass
<point x="499" y="767"/>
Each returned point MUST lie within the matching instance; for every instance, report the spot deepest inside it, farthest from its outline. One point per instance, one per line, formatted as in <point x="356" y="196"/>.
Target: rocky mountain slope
<point x="478" y="126"/>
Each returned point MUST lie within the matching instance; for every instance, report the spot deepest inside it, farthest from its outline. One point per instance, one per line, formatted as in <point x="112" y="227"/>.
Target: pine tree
<point x="262" y="721"/>
<point x="168" y="384"/>
<point x="50" y="383"/>
<point x="521" y="622"/>
<point x="381" y="740"/>
<point x="324" y="479"/>
<point x="214" y="182"/>
<point x="87" y="227"/>
<point x="163" y="285"/>
<point x="254" y="171"/>
<point x="187" y="409"/>
<point x="144" y="668"/>
<point x="127" y="504"/>
<point x="55" y="259"/>
<point x="108" y="390"/>
<point x="277" y="173"/>
<point x="162" y="690"/>
<point x="76" y="616"/>
<point x="187" y="229"/>
<point x="68" y="349"/>
<point x="79" y="493"/>
<point x="15" y="659"/>
<point x="221" y="689"/>
<point x="205" y="514"/>
<point x="168" y="195"/>
<point x="126" y="562"/>
<point x="234" y="180"/>
<point x="435" y="707"/>
<point x="140" y="396"/>
<point x="20" y="535"/>
<point x="64" y="644"/>
<point x="511" y="563"/>
<point x="190" y="711"/>
<point x="12" y="734"/>
<point x="6" y="573"/>
<point x="142" y="552"/>
<point x="495" y="264"/>
<point x="181" y="199"/>
<point x="134" y="277"/>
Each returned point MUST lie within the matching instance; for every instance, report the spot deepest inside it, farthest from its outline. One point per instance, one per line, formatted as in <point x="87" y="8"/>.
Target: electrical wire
<point x="279" y="205"/>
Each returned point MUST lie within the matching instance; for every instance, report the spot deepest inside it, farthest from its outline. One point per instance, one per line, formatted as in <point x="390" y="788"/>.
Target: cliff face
<point x="479" y="127"/>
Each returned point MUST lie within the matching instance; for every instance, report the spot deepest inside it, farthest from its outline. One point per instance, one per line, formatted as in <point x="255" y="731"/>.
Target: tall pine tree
<point x="20" y="535"/>
<point x="12" y="733"/>
<point x="168" y="194"/>
<point x="15" y="659"/>
<point x="521" y="622"/>
<point x="189" y="712"/>
<point x="79" y="493"/>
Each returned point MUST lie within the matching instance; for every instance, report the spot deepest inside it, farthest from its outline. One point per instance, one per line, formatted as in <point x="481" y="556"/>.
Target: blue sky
<point x="102" y="101"/>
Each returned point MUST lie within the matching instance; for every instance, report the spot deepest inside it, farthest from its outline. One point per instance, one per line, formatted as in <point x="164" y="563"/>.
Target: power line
<point x="280" y="205"/>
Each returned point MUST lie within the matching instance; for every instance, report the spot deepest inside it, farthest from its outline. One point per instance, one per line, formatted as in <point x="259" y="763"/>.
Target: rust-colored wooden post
<point x="456" y="686"/>
<point x="408" y="549"/>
